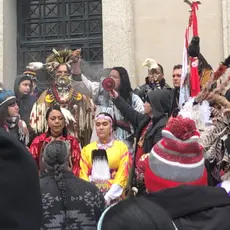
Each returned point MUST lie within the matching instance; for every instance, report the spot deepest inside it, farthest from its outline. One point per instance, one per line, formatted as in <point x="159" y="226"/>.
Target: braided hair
<point x="56" y="160"/>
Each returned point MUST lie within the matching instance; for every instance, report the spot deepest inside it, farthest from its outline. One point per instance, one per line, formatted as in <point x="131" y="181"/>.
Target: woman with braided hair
<point x="68" y="201"/>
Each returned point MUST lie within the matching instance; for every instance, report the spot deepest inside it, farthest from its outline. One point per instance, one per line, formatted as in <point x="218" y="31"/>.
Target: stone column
<point x="226" y="26"/>
<point x="8" y="46"/>
<point x="118" y="35"/>
<point x="8" y="42"/>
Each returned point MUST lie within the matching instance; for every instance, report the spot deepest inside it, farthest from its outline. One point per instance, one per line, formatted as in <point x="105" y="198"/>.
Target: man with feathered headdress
<point x="154" y="80"/>
<point x="77" y="108"/>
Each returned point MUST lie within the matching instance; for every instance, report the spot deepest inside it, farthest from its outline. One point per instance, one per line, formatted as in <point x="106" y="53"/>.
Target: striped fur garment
<point x="212" y="142"/>
<point x="215" y="112"/>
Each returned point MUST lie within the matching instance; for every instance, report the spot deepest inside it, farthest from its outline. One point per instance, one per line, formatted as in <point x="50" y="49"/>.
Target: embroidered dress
<point x="39" y="143"/>
<point x="119" y="164"/>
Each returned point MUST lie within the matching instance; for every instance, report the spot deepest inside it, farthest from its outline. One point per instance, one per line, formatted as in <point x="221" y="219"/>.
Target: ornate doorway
<point x="47" y="24"/>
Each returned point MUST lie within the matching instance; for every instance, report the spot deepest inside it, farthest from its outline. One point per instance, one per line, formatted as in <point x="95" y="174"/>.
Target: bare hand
<point x="114" y="94"/>
<point x="76" y="55"/>
<point x="76" y="67"/>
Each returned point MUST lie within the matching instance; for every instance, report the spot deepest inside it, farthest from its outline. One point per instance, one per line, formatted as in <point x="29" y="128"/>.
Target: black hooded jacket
<point x="25" y="102"/>
<point x="20" y="196"/>
<point x="160" y="103"/>
<point x="84" y="203"/>
<point x="195" y="207"/>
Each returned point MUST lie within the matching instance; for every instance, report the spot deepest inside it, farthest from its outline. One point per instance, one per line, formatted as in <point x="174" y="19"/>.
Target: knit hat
<point x="31" y="74"/>
<point x="20" y="198"/>
<point x="177" y="158"/>
<point x="5" y="95"/>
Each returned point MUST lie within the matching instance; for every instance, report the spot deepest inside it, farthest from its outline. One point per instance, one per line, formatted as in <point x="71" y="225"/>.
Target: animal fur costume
<point x="77" y="108"/>
<point x="214" y="122"/>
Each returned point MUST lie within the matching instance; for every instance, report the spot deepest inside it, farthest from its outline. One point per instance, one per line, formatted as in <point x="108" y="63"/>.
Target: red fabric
<point x="162" y="152"/>
<point x="139" y="154"/>
<point x="182" y="128"/>
<point x="194" y="74"/>
<point x="142" y="164"/>
<point x="42" y="140"/>
<point x="181" y="146"/>
<point x="140" y="150"/>
<point x="194" y="18"/>
<point x="194" y="77"/>
<point x="154" y="183"/>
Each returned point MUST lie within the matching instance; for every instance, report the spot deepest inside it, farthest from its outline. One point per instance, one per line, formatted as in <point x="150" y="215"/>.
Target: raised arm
<point x="82" y="84"/>
<point x="85" y="86"/>
<point x="127" y="111"/>
<point x="137" y="103"/>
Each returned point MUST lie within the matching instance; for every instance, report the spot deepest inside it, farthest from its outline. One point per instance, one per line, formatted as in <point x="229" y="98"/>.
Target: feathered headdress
<point x="68" y="116"/>
<point x="150" y="63"/>
<point x="198" y="108"/>
<point x="200" y="113"/>
<point x="55" y="59"/>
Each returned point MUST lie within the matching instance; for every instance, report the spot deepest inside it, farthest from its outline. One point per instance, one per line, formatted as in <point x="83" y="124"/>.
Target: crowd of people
<point x="81" y="156"/>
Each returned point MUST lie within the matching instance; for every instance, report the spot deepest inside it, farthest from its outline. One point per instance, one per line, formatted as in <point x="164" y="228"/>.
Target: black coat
<point x="175" y="94"/>
<point x="160" y="102"/>
<point x="25" y="102"/>
<point x="84" y="203"/>
<point x="195" y="207"/>
<point x="142" y="90"/>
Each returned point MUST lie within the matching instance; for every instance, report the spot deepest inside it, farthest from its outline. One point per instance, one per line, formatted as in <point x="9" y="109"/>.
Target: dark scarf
<point x="17" y="127"/>
<point x="12" y="122"/>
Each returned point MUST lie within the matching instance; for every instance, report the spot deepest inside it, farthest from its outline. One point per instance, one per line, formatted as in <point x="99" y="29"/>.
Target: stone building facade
<point x="134" y="30"/>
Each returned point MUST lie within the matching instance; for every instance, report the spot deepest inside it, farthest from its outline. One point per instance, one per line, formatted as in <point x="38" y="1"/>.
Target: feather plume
<point x="218" y="99"/>
<point x="51" y="66"/>
<point x="150" y="63"/>
<point x="55" y="52"/>
<point x="68" y="116"/>
<point x="61" y="56"/>
<point x="199" y="113"/>
<point x="35" y="66"/>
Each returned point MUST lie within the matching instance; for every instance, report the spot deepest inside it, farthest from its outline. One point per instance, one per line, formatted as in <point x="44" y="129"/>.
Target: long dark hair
<point x="136" y="213"/>
<point x="125" y="89"/>
<point x="203" y="64"/>
<point x="50" y="109"/>
<point x="56" y="159"/>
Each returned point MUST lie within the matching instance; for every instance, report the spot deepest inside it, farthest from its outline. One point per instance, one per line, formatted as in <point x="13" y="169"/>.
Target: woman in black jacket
<point x="147" y="126"/>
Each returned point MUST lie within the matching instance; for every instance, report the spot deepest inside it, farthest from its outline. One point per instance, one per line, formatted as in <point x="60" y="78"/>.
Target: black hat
<point x="20" y="198"/>
<point x="194" y="47"/>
